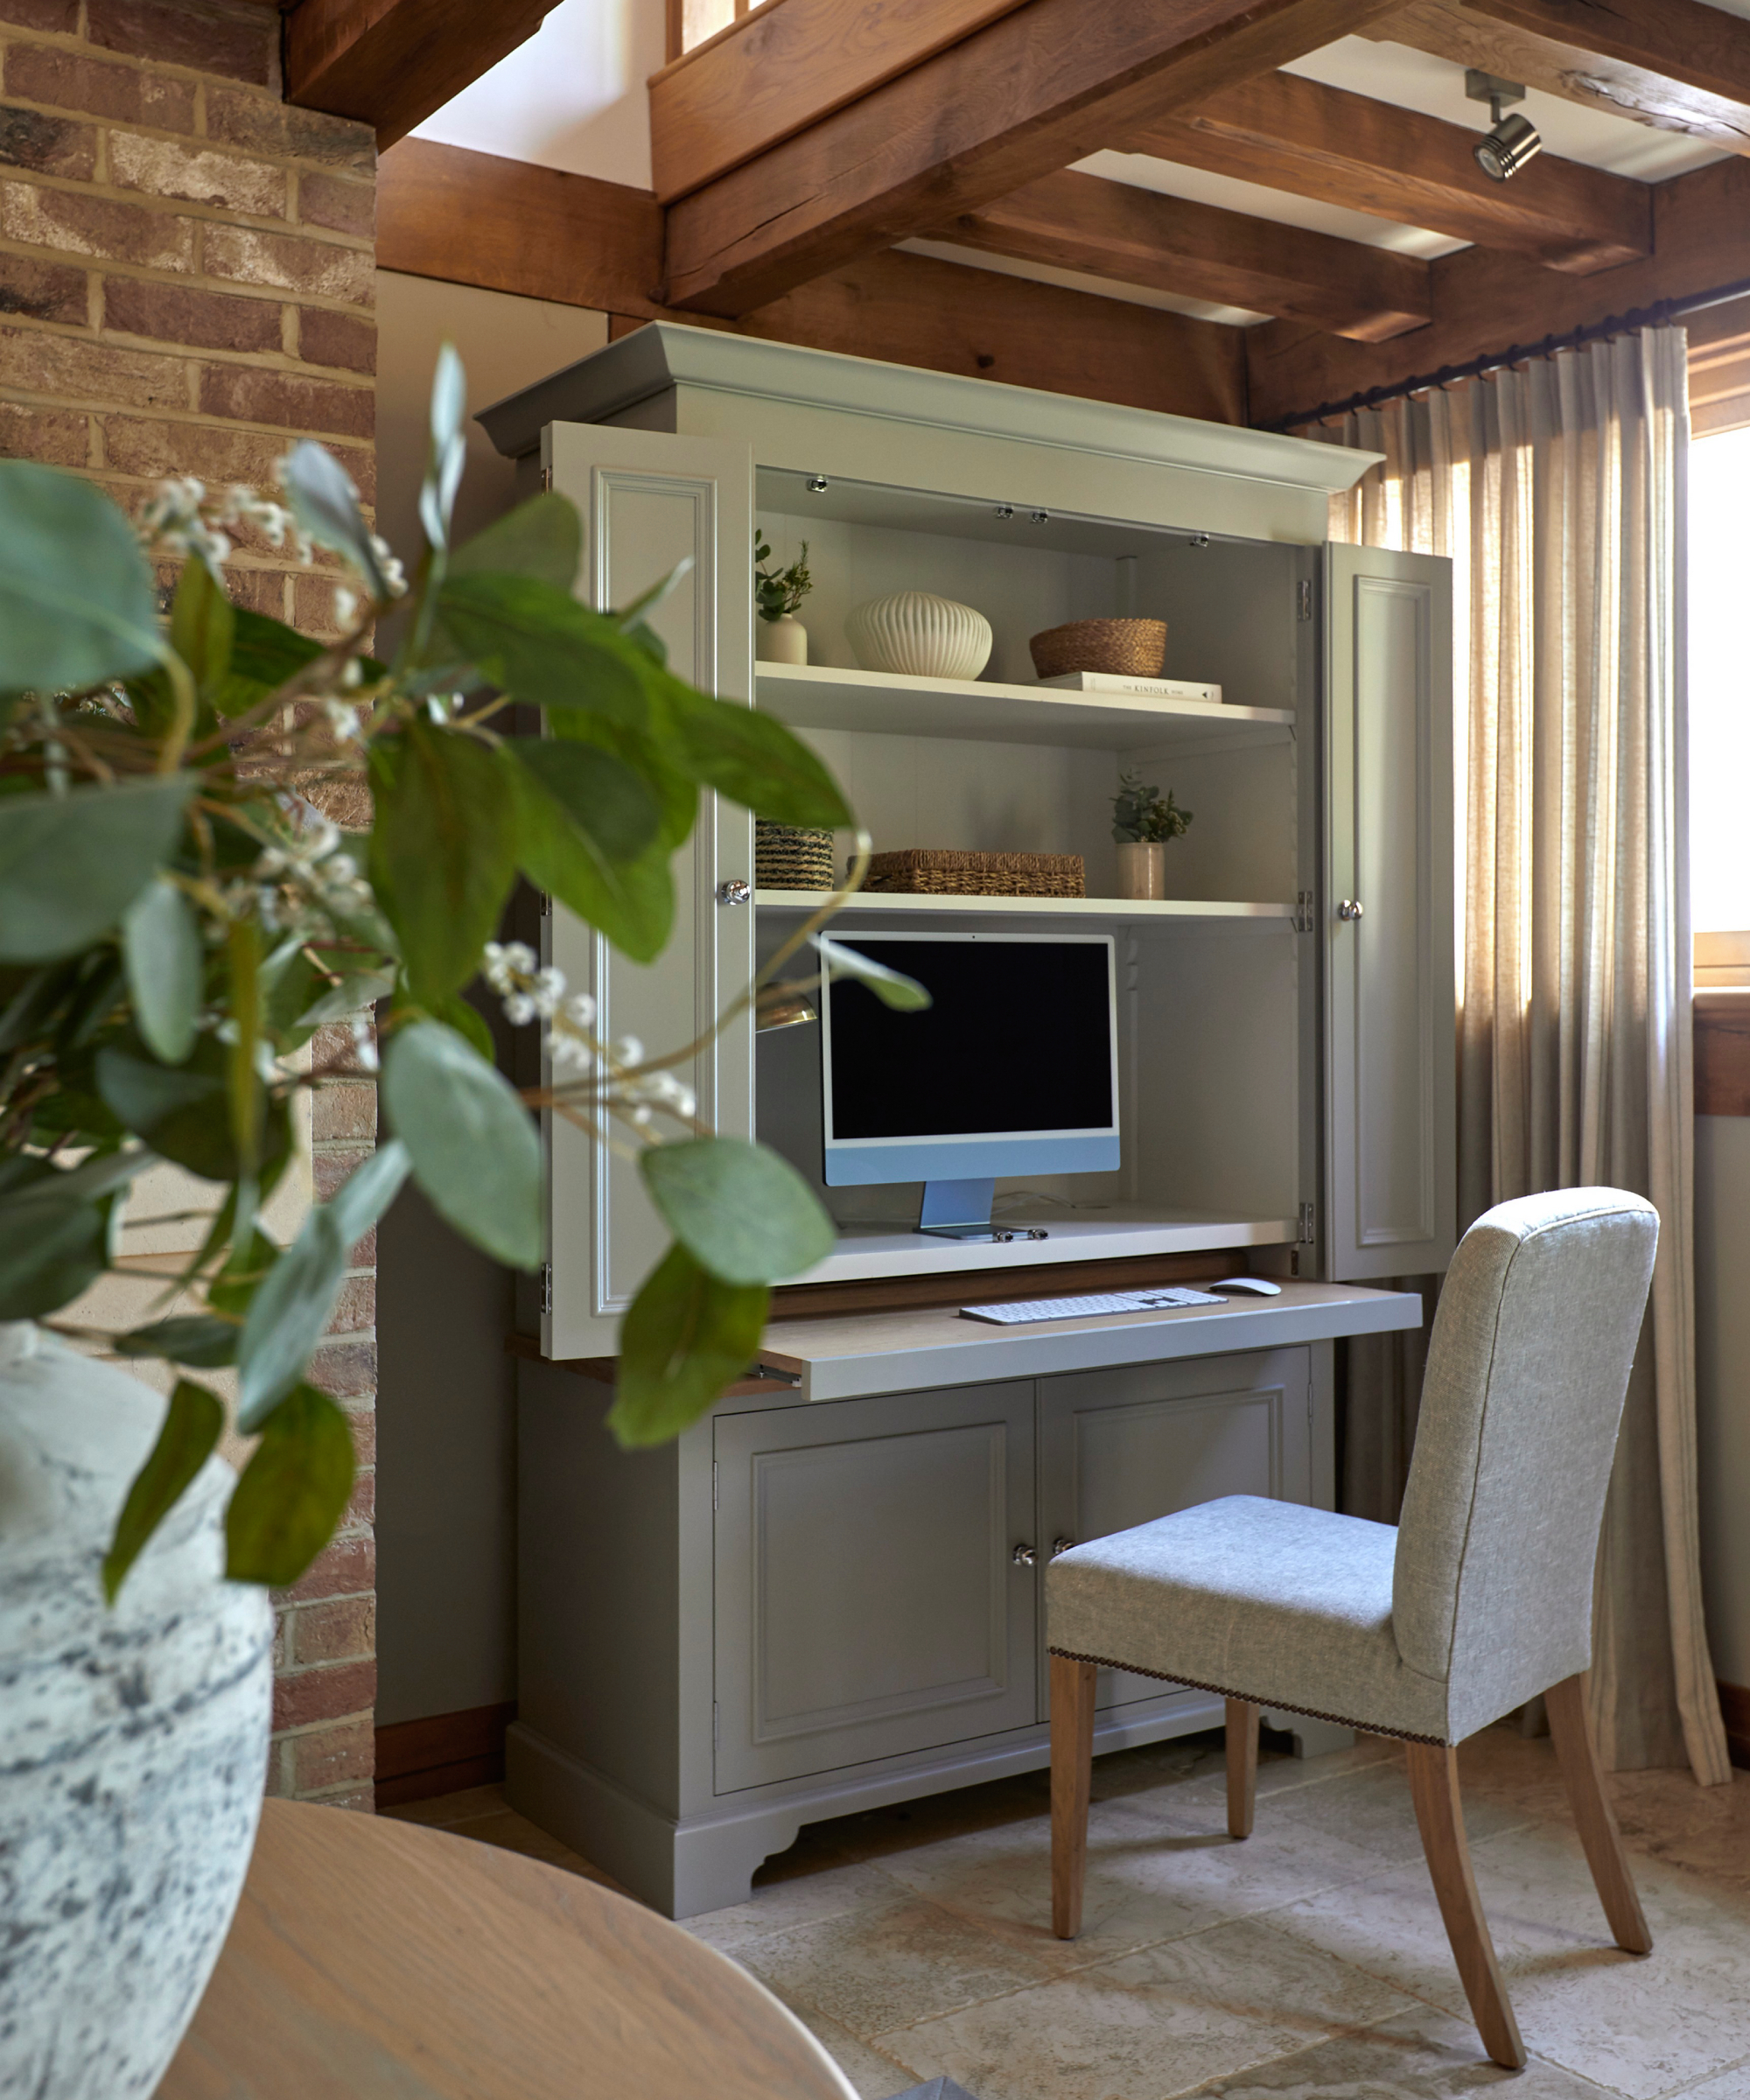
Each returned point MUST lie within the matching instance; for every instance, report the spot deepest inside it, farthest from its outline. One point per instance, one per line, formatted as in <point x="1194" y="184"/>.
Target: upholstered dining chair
<point x="1477" y="1599"/>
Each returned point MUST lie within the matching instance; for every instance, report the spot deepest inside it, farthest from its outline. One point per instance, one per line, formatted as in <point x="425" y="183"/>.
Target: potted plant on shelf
<point x="1142" y="823"/>
<point x="178" y="921"/>
<point x="779" y="637"/>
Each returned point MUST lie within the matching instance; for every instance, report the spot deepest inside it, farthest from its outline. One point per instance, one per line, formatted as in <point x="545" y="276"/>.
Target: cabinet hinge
<point x="1303" y="596"/>
<point x="1303" y="912"/>
<point x="546" y="479"/>
<point x="546" y="1286"/>
<point x="546" y="904"/>
<point x="1307" y="1220"/>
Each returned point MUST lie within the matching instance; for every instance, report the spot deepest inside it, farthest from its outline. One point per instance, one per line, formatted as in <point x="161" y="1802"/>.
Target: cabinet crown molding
<point x="662" y="355"/>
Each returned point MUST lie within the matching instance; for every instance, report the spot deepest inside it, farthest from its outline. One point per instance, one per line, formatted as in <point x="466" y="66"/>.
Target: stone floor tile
<point x="1153" y="1874"/>
<point x="1643" y="2027"/>
<point x="876" y="2076"/>
<point x="802" y="1898"/>
<point x="1150" y="2025"/>
<point x="1421" y="2055"/>
<point x="887" y="1964"/>
<point x="1732" y="2084"/>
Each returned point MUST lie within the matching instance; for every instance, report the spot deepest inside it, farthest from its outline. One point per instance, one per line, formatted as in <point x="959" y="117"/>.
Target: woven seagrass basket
<point x="785" y="858"/>
<point x="938" y="871"/>
<point x="1133" y="649"/>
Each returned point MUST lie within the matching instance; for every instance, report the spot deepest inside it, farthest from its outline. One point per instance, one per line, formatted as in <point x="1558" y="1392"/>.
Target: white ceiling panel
<point x="1077" y="280"/>
<point x="1144" y="172"/>
<point x="1413" y="79"/>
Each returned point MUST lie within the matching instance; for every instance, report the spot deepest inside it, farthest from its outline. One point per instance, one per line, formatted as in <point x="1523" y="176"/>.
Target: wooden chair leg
<point x="1578" y="1754"/>
<point x="1072" y="1770"/>
<point x="1434" y="1787"/>
<point x="1243" y="1766"/>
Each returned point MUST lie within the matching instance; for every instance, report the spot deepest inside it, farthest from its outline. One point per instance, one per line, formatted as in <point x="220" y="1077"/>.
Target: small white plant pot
<point x="783" y="640"/>
<point x="1142" y="869"/>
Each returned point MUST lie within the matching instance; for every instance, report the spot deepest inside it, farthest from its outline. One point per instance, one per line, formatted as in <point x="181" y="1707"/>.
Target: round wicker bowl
<point x="1134" y="649"/>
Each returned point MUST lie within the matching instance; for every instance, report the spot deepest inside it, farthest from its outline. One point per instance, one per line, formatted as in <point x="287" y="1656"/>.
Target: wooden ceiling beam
<point x="1040" y="86"/>
<point x="475" y="219"/>
<point x="1704" y="47"/>
<point x="1300" y="136"/>
<point x="1486" y="302"/>
<point x="1137" y="236"/>
<point x="1446" y="29"/>
<point x="391" y="63"/>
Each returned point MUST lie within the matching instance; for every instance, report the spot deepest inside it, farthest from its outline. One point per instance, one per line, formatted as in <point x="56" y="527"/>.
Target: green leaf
<point x="612" y="809"/>
<point x="54" y="1228"/>
<point x="751" y="757"/>
<point x="632" y="902"/>
<point x="685" y="1336"/>
<point x="190" y="1429"/>
<point x="266" y="651"/>
<point x="891" y="987"/>
<point x="324" y="502"/>
<point x="71" y="864"/>
<point x="194" y="1338"/>
<point x="76" y="599"/>
<point x="542" y="645"/>
<point x="739" y="1209"/>
<point x="677" y="797"/>
<point x="166" y="962"/>
<point x="449" y="450"/>
<point x="183" y="1112"/>
<point x="202" y="626"/>
<point x="443" y="854"/>
<point x="459" y="1013"/>
<point x="543" y="538"/>
<point x="475" y="1149"/>
<point x="354" y="994"/>
<point x="289" y="1312"/>
<point x="292" y="1492"/>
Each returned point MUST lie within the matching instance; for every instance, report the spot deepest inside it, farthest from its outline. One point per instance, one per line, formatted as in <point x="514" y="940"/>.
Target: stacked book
<point x="1122" y="682"/>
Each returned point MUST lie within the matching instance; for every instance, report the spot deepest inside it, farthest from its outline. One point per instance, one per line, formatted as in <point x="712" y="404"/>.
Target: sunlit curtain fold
<point x="1556" y="492"/>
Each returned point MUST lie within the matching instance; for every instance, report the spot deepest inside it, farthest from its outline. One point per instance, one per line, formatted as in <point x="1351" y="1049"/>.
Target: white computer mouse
<point x="1261" y="1285"/>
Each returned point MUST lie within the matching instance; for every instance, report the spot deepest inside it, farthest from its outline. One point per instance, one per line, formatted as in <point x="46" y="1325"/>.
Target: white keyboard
<point x="1163" y="1300"/>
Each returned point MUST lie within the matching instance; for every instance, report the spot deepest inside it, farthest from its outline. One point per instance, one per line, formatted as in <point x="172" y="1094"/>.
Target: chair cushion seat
<point x="1261" y="1600"/>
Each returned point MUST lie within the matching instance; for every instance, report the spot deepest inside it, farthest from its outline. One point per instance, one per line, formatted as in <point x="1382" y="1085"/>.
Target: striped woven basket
<point x="941" y="871"/>
<point x="785" y="858"/>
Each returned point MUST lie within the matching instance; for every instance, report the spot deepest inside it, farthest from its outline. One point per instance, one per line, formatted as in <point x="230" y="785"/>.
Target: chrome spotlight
<point x="1503" y="150"/>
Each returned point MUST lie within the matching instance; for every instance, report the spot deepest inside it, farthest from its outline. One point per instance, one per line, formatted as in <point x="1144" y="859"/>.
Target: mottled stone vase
<point x="133" y="1742"/>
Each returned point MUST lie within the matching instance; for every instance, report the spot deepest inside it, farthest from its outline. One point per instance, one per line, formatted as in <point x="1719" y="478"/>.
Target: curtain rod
<point x="1657" y="316"/>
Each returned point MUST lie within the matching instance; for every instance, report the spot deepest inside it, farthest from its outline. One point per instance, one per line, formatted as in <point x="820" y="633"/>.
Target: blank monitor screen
<point x="1013" y="1068"/>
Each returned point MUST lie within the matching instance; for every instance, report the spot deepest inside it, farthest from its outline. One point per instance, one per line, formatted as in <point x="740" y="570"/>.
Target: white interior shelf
<point x="815" y="696"/>
<point x="1119" y="910"/>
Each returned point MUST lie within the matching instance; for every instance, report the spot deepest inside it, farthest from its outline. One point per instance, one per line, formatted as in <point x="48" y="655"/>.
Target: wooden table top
<point x="371" y="1958"/>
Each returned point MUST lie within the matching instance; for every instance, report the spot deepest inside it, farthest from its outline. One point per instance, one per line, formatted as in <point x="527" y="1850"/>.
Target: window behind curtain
<point x="1719" y="704"/>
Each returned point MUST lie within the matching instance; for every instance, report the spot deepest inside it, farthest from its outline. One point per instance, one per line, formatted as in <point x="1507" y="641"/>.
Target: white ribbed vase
<point x="920" y="635"/>
<point x="133" y="1741"/>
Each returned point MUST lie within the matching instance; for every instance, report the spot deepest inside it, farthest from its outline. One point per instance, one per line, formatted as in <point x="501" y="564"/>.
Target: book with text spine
<point x="1120" y="681"/>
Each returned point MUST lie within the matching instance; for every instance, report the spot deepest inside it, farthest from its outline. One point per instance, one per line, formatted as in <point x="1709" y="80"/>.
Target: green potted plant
<point x="779" y="637"/>
<point x="1143" y="821"/>
<point x="177" y="922"/>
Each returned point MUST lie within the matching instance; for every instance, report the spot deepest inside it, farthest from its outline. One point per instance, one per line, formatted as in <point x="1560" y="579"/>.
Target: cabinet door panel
<point x="1121" y="1448"/>
<point x="868" y="1602"/>
<point x="650" y="501"/>
<point x="1392" y="1170"/>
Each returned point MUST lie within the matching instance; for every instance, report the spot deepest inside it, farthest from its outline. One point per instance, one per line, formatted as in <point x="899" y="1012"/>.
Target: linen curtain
<point x="1557" y="493"/>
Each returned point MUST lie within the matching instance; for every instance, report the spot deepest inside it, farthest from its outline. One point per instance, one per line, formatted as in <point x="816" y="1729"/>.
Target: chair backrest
<point x="1528" y="1369"/>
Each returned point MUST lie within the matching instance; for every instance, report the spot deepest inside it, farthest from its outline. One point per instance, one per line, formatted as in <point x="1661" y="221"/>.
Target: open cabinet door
<point x="1390" y="1135"/>
<point x="648" y="502"/>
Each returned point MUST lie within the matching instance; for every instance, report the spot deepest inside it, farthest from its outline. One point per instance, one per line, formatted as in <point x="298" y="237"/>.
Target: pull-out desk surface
<point x="866" y="1353"/>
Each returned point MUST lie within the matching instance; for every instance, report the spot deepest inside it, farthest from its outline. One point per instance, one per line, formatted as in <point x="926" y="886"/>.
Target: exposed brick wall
<point x="187" y="284"/>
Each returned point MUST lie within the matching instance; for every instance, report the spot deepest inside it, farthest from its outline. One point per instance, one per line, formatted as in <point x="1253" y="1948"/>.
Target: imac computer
<point x="1011" y="1070"/>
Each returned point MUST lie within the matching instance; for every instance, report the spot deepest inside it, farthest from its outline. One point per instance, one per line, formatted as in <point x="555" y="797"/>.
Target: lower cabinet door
<point x="868" y="1598"/>
<point x="1117" y="1448"/>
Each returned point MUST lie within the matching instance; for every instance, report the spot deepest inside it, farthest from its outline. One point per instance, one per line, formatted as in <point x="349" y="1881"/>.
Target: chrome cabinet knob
<point x="1060" y="1545"/>
<point x="1351" y="907"/>
<point x="1024" y="1557"/>
<point x="735" y="891"/>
